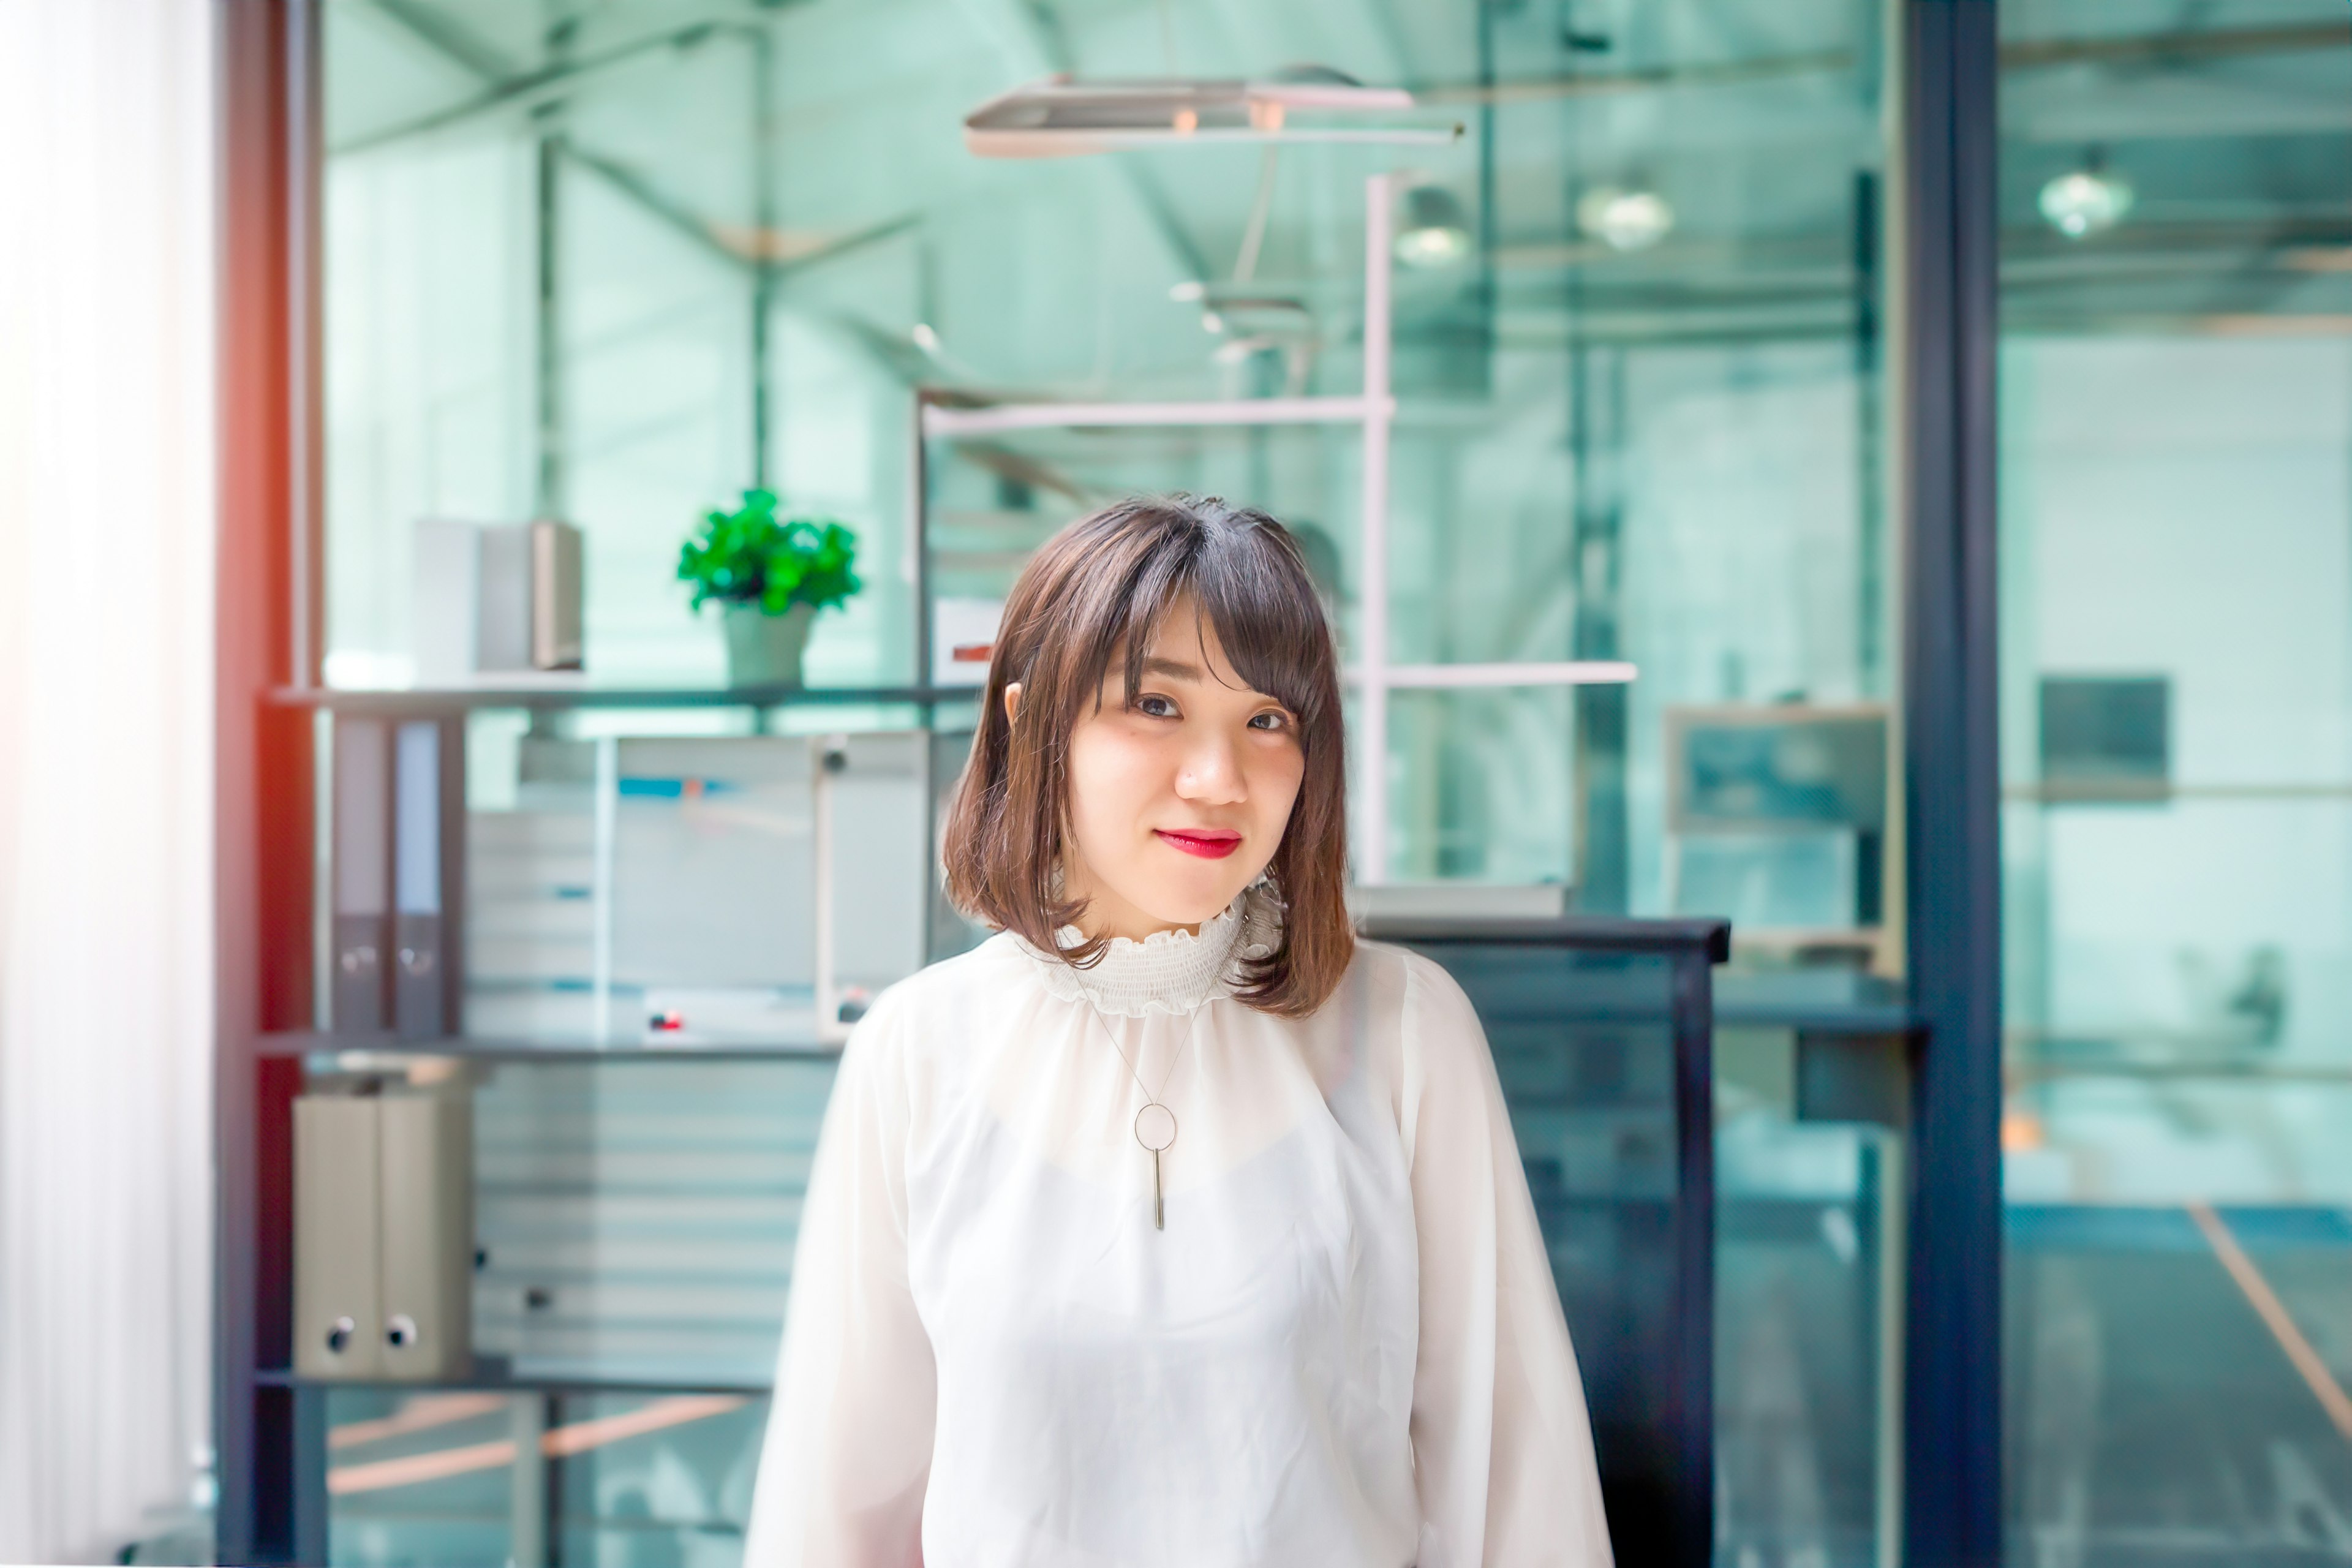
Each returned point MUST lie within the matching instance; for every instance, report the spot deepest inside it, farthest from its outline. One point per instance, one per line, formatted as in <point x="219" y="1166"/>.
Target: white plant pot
<point x="764" y="649"/>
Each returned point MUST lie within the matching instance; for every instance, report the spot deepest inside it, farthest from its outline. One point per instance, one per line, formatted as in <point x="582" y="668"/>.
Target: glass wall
<point x="618" y="262"/>
<point x="614" y="264"/>
<point x="2176" y="516"/>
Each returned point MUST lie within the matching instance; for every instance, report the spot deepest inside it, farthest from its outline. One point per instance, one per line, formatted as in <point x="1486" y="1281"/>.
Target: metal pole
<point x="271" y="1496"/>
<point x="1372" y="617"/>
<point x="764" y="258"/>
<point x="1693" y="1526"/>
<point x="305" y="372"/>
<point x="1952" y="1426"/>
<point x="546" y="499"/>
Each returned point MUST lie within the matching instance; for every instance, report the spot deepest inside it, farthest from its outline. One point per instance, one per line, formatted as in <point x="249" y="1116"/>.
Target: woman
<point x="1171" y="1225"/>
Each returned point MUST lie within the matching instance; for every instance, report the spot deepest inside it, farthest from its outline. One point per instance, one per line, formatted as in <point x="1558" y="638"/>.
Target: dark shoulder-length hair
<point x="1099" y="588"/>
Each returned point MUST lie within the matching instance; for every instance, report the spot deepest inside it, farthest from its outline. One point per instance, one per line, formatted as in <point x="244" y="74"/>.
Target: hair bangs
<point x="1254" y="588"/>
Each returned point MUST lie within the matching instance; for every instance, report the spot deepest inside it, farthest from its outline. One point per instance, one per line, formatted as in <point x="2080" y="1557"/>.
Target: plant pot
<point x="764" y="649"/>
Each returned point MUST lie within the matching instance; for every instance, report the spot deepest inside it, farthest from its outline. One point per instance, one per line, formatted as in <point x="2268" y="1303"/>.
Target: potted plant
<point x="770" y="575"/>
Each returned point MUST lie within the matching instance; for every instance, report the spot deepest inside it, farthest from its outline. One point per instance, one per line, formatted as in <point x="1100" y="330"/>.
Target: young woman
<point x="1171" y="1225"/>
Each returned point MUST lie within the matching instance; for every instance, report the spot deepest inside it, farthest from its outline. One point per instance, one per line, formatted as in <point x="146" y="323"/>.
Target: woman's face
<point x="1179" y="799"/>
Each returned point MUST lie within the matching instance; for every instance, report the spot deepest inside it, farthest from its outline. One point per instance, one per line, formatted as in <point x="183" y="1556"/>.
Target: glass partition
<point x="618" y="1477"/>
<point x="2176" y="591"/>
<point x="617" y="263"/>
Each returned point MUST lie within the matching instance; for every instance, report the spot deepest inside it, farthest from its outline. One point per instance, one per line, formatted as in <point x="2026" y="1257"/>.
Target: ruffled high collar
<point x="1169" y="971"/>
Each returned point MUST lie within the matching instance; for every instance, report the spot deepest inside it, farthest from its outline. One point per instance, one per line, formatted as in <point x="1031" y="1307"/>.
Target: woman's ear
<point x="1011" y="700"/>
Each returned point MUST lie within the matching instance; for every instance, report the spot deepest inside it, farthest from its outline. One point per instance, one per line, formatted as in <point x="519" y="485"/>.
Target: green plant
<point x="751" y="556"/>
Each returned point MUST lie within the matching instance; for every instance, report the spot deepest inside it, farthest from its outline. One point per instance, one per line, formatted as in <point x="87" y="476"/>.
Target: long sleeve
<point x="1502" y="1445"/>
<point x="848" y="1448"/>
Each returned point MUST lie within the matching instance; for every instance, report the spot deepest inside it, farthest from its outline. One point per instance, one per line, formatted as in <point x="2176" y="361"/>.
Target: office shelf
<point x="494" y="1377"/>
<point x="311" y="1043"/>
<point x="555" y="693"/>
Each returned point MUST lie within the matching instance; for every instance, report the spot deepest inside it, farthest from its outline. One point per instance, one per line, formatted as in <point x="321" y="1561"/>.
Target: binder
<point x="361" y="932"/>
<point x="556" y="581"/>
<point x="502" y="623"/>
<point x="529" y="577"/>
<point x="384" y="1235"/>
<point x="428" y="869"/>
<point x="446" y="563"/>
<point x="337" y="1323"/>
<point x="426" y="1223"/>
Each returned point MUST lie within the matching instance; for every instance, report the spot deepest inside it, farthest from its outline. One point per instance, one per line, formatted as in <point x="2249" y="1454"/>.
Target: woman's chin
<point x="1191" y="904"/>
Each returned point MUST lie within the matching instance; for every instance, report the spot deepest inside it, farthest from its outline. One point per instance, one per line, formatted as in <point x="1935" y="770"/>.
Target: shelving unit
<point x="274" y="1475"/>
<point x="559" y="696"/>
<point x="490" y="1381"/>
<point x="359" y="1053"/>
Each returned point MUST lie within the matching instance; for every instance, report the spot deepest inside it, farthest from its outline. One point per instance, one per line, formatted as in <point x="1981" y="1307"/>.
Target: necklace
<point x="1155" y="1124"/>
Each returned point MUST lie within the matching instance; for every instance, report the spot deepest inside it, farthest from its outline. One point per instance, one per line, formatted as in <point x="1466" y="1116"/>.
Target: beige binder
<point x="383" y="1236"/>
<point x="426" y="1222"/>
<point x="338" y="1329"/>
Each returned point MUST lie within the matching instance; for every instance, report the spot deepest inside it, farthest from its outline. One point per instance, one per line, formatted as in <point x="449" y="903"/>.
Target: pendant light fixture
<point x="1624" y="220"/>
<point x="1436" y="231"/>
<point x="1060" y="117"/>
<point x="2087" y="201"/>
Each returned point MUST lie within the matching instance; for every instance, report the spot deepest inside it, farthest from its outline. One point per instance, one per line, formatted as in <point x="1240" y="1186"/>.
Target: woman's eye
<point x="1271" y="721"/>
<point x="1155" y="707"/>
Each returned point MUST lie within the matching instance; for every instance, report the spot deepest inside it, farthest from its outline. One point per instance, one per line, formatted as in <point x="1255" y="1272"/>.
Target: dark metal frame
<point x="1692" y="948"/>
<point x="269" y="1445"/>
<point x="1952" y="1414"/>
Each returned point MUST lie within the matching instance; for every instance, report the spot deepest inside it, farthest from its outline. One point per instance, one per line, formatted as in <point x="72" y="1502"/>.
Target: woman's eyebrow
<point x="1174" y="669"/>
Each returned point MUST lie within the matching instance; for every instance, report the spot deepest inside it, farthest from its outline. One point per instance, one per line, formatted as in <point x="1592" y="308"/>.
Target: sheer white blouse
<point x="1346" y="1347"/>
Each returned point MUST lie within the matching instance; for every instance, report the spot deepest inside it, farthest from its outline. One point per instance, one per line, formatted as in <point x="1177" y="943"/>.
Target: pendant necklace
<point x="1155" y="1124"/>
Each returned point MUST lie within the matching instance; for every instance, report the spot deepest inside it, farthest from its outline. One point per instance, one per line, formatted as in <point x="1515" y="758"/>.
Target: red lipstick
<point x="1210" y="843"/>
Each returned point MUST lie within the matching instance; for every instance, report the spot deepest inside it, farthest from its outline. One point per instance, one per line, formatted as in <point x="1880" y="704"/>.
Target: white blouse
<point x="1346" y="1347"/>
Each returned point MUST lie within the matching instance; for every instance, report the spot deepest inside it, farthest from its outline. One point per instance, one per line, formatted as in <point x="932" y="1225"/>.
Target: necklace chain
<point x="1176" y="1061"/>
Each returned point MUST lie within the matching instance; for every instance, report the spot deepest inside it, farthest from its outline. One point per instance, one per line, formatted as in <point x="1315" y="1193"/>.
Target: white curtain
<point x="106" y="550"/>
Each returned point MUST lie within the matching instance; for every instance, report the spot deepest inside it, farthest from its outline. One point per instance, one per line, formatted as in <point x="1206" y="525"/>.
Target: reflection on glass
<point x="2177" y="755"/>
<point x="421" y="1477"/>
<point x="1487" y="788"/>
<point x="497" y="1478"/>
<point x="1807" y="1415"/>
<point x="637" y="1218"/>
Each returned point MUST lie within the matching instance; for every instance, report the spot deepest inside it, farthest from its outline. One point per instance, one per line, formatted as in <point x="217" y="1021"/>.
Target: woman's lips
<point x="1211" y="844"/>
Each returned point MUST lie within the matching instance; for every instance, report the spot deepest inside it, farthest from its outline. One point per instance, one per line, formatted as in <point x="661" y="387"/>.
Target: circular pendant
<point x="1155" y="1127"/>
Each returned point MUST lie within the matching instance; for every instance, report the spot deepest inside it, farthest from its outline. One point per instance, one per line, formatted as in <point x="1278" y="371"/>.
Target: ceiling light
<point x="2087" y="201"/>
<point x="1436" y="231"/>
<point x="1623" y="220"/>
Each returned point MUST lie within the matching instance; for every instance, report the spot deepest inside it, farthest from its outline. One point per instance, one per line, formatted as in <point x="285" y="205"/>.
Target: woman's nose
<point x="1211" y="772"/>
